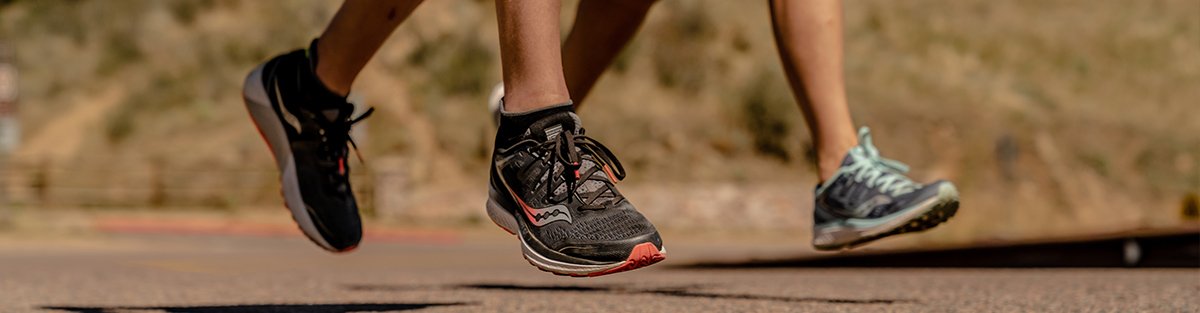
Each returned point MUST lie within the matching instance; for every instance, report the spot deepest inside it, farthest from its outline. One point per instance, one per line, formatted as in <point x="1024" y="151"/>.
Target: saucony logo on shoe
<point x="546" y="215"/>
<point x="536" y="216"/>
<point x="542" y="216"/>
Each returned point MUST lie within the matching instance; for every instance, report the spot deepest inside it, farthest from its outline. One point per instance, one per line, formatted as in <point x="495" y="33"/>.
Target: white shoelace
<point x="869" y="168"/>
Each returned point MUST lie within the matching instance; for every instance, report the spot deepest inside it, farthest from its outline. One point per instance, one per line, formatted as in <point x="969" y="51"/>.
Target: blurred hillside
<point x="1047" y="114"/>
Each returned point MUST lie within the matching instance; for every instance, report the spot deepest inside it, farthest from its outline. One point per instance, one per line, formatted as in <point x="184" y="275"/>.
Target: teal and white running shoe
<point x="869" y="198"/>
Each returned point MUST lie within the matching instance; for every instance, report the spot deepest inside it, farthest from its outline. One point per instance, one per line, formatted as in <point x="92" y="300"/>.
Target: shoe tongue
<point x="331" y="109"/>
<point x="337" y="112"/>
<point x="331" y="115"/>
<point x="849" y="158"/>
<point x="551" y="126"/>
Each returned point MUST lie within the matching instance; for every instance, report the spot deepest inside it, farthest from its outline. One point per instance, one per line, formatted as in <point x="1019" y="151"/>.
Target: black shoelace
<point x="336" y="142"/>
<point x="569" y="149"/>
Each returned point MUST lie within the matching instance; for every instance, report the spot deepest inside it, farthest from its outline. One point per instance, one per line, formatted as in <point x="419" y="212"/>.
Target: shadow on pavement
<point x="288" y="308"/>
<point x="687" y="291"/>
<point x="1180" y="250"/>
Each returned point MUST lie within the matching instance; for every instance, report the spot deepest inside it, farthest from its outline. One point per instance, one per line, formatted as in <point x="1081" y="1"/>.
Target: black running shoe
<point x="307" y="128"/>
<point x="870" y="198"/>
<point x="554" y="188"/>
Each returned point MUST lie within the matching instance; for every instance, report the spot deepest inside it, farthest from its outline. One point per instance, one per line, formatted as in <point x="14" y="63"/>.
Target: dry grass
<point x="1046" y="113"/>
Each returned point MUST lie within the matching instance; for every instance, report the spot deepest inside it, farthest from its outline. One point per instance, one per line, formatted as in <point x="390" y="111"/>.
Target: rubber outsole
<point x="642" y="255"/>
<point x="940" y="213"/>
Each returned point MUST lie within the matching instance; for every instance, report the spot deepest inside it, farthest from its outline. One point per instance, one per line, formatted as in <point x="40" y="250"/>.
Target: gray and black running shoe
<point x="554" y="188"/>
<point x="308" y="130"/>
<point x="870" y="198"/>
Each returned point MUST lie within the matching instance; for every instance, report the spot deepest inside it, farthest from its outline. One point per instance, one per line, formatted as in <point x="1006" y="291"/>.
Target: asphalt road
<point x="205" y="273"/>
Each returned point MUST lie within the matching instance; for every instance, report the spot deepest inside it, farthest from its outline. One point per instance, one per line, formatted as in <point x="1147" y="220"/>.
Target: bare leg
<point x="809" y="37"/>
<point x="358" y="30"/>
<point x="601" y="29"/>
<point x="530" y="56"/>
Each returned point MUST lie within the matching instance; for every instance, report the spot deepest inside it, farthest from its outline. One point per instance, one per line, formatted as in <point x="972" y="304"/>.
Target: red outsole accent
<point x="643" y="255"/>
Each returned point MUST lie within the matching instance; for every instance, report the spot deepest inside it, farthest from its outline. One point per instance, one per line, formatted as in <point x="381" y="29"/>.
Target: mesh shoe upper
<point x="563" y="182"/>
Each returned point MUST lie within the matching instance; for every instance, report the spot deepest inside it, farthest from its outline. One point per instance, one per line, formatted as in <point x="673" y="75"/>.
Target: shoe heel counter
<point x="498" y="206"/>
<point x="253" y="88"/>
<point x="818" y="215"/>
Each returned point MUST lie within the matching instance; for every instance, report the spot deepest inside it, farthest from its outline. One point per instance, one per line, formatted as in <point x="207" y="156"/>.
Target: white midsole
<point x="569" y="268"/>
<point x="259" y="106"/>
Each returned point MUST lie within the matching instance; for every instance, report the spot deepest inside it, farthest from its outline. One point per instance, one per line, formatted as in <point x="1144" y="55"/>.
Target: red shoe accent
<point x="529" y="211"/>
<point x="643" y="255"/>
<point x="611" y="177"/>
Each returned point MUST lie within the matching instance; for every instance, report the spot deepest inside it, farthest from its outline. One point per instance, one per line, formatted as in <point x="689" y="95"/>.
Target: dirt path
<point x="62" y="137"/>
